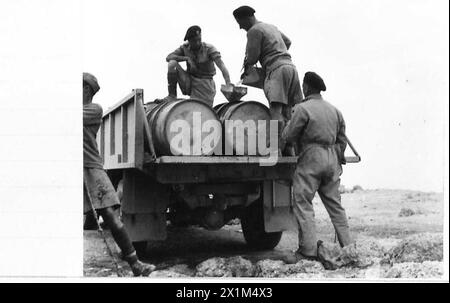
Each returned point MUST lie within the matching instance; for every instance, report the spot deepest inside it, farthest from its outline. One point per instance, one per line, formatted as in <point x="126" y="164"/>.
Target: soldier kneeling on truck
<point x="99" y="194"/>
<point x="197" y="81"/>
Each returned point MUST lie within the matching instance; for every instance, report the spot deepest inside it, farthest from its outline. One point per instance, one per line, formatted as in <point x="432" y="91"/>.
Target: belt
<point x="202" y="77"/>
<point x="318" y="144"/>
<point x="306" y="146"/>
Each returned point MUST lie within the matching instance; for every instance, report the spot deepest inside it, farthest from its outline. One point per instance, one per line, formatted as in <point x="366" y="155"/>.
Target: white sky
<point x="385" y="64"/>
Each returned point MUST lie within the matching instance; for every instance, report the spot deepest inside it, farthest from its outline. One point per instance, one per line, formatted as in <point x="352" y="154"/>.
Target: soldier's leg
<point x="277" y="90"/>
<point x="331" y="198"/>
<point x="89" y="222"/>
<point x="203" y="89"/>
<point x="295" y="94"/>
<point x="102" y="196"/>
<point x="276" y="113"/>
<point x="305" y="185"/>
<point x="123" y="240"/>
<point x="176" y="74"/>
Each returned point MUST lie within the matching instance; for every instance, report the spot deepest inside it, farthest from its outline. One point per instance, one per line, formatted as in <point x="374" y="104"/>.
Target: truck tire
<point x="252" y="223"/>
<point x="141" y="248"/>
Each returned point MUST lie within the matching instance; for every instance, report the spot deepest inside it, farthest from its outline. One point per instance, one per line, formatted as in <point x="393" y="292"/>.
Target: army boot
<point x="137" y="267"/>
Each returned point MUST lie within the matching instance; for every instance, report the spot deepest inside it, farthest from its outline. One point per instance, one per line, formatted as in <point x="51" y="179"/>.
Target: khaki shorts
<point x="197" y="88"/>
<point x="203" y="89"/>
<point x="282" y="85"/>
<point x="100" y="188"/>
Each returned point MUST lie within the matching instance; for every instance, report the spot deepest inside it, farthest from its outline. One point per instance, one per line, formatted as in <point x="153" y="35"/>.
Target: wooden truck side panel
<point x="121" y="136"/>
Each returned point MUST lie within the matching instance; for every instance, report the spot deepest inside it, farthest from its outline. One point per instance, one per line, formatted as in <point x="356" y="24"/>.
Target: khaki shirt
<point x="266" y="44"/>
<point x="92" y="118"/>
<point x="203" y="59"/>
<point x="315" y="121"/>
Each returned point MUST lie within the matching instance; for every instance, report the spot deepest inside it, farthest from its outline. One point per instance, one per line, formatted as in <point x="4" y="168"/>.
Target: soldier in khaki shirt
<point x="268" y="45"/>
<point x="319" y="130"/>
<point x="197" y="81"/>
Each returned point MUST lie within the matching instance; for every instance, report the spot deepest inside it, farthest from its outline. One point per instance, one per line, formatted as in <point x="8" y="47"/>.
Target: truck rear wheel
<point x="252" y="222"/>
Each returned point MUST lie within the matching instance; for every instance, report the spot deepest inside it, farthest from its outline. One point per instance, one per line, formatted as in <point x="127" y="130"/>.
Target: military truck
<point x="159" y="188"/>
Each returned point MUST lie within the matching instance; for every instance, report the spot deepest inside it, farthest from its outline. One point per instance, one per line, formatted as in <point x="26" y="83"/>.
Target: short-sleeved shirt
<point x="92" y="118"/>
<point x="203" y="58"/>
<point x="268" y="39"/>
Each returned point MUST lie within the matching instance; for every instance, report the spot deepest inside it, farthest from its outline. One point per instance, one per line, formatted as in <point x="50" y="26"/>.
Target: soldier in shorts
<point x="201" y="58"/>
<point x="268" y="45"/>
<point x="98" y="189"/>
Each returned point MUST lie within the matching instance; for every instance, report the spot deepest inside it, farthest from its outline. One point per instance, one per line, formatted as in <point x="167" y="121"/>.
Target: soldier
<point x="197" y="81"/>
<point x="98" y="189"/>
<point x="319" y="130"/>
<point x="269" y="46"/>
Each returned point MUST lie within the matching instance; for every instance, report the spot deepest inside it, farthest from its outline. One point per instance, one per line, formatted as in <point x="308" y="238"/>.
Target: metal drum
<point x="253" y="116"/>
<point x="169" y="121"/>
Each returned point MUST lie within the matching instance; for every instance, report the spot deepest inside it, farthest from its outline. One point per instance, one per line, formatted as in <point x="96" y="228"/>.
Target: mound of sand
<point x="418" y="248"/>
<point x="413" y="270"/>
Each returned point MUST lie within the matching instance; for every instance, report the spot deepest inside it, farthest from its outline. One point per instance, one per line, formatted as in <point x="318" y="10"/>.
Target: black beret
<point x="243" y="11"/>
<point x="192" y="32"/>
<point x="315" y="81"/>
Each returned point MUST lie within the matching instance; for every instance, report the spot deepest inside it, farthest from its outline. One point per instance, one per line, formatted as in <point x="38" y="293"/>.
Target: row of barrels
<point x="186" y="127"/>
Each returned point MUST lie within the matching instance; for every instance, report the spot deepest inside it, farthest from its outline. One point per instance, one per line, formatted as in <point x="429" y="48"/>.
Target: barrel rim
<point x="241" y="103"/>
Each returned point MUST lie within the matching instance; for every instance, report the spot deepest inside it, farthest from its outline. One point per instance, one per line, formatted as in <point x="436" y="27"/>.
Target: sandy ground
<point x="398" y="232"/>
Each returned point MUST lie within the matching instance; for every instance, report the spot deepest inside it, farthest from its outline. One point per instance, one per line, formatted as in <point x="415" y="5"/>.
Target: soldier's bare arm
<point x="178" y="55"/>
<point x="226" y="75"/>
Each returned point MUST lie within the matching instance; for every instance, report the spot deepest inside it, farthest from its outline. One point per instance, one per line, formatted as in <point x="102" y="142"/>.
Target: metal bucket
<point x="161" y="118"/>
<point x="252" y="114"/>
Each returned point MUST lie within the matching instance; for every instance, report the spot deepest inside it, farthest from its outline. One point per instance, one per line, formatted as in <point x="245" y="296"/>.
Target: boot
<point x="172" y="79"/>
<point x="137" y="267"/>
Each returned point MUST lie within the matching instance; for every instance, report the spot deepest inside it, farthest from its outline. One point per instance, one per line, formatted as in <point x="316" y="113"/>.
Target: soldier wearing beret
<point x="200" y="57"/>
<point x="319" y="130"/>
<point x="98" y="190"/>
<point x="268" y="45"/>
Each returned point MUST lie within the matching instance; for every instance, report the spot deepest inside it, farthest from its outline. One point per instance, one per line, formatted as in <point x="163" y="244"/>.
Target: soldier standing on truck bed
<point x="98" y="190"/>
<point x="269" y="46"/>
<point x="197" y="81"/>
<point x="319" y="130"/>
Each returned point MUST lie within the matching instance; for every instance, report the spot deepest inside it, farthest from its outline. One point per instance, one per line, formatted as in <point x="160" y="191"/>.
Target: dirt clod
<point x="225" y="267"/>
<point x="332" y="256"/>
<point x="406" y="212"/>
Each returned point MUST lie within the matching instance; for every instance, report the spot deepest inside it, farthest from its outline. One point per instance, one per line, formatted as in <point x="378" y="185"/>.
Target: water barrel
<point x="250" y="113"/>
<point x="192" y="113"/>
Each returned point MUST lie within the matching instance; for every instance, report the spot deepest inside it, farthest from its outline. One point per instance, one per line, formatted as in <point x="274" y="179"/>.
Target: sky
<point x="385" y="64"/>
